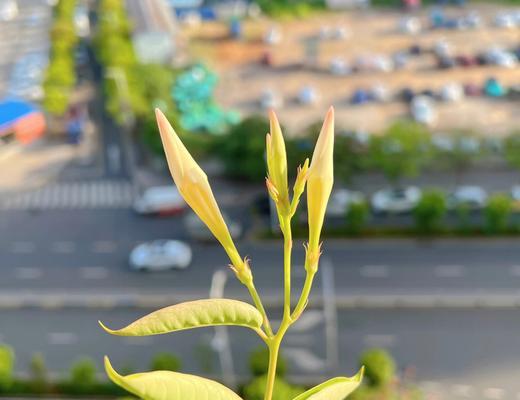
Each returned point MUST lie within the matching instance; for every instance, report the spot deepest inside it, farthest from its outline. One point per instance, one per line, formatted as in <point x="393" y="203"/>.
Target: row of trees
<point x="60" y="76"/>
<point x="82" y="377"/>
<point x="430" y="215"/>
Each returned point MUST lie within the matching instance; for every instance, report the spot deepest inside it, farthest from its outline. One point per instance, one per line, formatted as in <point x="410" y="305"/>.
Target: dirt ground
<point x="243" y="78"/>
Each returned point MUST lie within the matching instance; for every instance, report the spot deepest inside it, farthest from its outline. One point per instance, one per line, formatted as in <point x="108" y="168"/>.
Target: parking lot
<point x="333" y="56"/>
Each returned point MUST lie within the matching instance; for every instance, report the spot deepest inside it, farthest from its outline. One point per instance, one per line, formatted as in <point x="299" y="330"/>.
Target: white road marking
<point x="94" y="272"/>
<point x="494" y="393"/>
<point x="62" y="338"/>
<point x="104" y="246"/>
<point x="305" y="359"/>
<point x="28" y="273"/>
<point x="63" y="247"/>
<point x="449" y="271"/>
<point x="22" y="247"/>
<point x="308" y="320"/>
<point x="461" y="390"/>
<point x="374" y="271"/>
<point x="379" y="340"/>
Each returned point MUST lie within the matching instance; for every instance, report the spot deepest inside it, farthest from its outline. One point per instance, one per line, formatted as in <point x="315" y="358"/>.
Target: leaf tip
<point x="106" y="329"/>
<point x="111" y="372"/>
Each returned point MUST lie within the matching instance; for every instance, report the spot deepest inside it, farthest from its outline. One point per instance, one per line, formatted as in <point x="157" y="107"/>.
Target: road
<point x="458" y="354"/>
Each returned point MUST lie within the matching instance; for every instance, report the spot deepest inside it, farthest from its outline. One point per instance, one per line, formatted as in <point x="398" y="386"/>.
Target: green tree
<point x="259" y="362"/>
<point x="6" y="367"/>
<point x="166" y="362"/>
<point x="38" y="373"/>
<point x="357" y="217"/>
<point x="512" y="149"/>
<point x="379" y="367"/>
<point x="497" y="212"/>
<point x="242" y="149"/>
<point x="83" y="375"/>
<point x="430" y="210"/>
<point x="402" y="151"/>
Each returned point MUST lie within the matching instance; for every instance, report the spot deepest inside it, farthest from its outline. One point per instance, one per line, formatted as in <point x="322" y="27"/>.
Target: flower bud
<point x="194" y="187"/>
<point x="319" y="180"/>
<point x="277" y="160"/>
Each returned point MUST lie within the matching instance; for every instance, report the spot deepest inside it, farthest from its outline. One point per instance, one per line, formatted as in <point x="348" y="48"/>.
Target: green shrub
<point x="83" y="375"/>
<point x="357" y="217"/>
<point x="497" y="212"/>
<point x="166" y="362"/>
<point x="282" y="390"/>
<point x="379" y="367"/>
<point x="430" y="210"/>
<point x="259" y="362"/>
<point x="6" y="367"/>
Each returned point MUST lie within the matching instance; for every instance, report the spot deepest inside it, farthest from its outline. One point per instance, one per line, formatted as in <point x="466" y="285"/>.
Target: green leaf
<point x="193" y="314"/>
<point x="334" y="389"/>
<point x="168" y="385"/>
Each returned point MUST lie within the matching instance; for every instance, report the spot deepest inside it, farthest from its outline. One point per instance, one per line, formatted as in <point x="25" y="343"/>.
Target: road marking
<point x="494" y="393"/>
<point x="93" y="272"/>
<point x="22" y="247"/>
<point x="374" y="271"/>
<point x="308" y="320"/>
<point x="28" y="273"/>
<point x="449" y="271"/>
<point x="305" y="359"/>
<point x="62" y="338"/>
<point x="515" y="271"/>
<point x="63" y="247"/>
<point x="104" y="246"/>
<point x="461" y="390"/>
<point x="379" y="340"/>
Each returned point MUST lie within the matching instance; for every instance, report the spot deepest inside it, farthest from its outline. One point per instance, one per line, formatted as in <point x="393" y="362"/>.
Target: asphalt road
<point x="455" y="354"/>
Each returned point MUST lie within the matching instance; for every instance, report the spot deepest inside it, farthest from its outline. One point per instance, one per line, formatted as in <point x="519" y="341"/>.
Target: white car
<point x="8" y="10"/>
<point x="380" y="93"/>
<point x="396" y="200"/>
<point x="270" y="99"/>
<point x="473" y="196"/>
<point x="160" y="255"/>
<point x="499" y="56"/>
<point x="410" y="25"/>
<point x="338" y="66"/>
<point x="273" y="36"/>
<point x="452" y="92"/>
<point x="308" y="95"/>
<point x="506" y="20"/>
<point x="197" y="230"/>
<point x="422" y="110"/>
<point x="160" y="200"/>
<point x="341" y="199"/>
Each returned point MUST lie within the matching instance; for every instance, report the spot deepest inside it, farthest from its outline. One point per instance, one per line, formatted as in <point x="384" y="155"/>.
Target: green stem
<point x="304" y="297"/>
<point x="287" y="266"/>
<point x="274" y="348"/>
<point x="260" y="307"/>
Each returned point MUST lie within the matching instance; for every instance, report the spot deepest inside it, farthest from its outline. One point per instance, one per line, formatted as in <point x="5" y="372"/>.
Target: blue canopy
<point x="11" y="110"/>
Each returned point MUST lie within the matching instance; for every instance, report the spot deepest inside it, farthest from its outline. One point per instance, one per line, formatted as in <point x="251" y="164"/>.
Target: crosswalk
<point x="102" y="194"/>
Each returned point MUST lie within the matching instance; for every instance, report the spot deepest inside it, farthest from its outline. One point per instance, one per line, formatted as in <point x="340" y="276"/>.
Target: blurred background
<point x="420" y="276"/>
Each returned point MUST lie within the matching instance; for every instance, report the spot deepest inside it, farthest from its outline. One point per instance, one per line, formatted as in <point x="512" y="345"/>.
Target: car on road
<point x="308" y="95"/>
<point x="270" y="99"/>
<point x="396" y="200"/>
<point x="471" y="196"/>
<point x="160" y="255"/>
<point x="159" y="200"/>
<point x="452" y="92"/>
<point x="8" y="10"/>
<point x="197" y="230"/>
<point x="341" y="199"/>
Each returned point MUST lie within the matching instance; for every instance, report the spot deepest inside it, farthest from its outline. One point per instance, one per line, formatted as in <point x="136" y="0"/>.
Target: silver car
<point x="160" y="255"/>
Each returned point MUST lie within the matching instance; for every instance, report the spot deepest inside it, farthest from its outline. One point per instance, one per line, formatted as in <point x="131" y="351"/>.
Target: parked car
<point x="506" y="20"/>
<point x="422" y="110"/>
<point x="474" y="197"/>
<point x="341" y="199"/>
<point x="501" y="57"/>
<point x="360" y="96"/>
<point x="8" y="10"/>
<point x="380" y="93"/>
<point x="338" y="66"/>
<point x="472" y="90"/>
<point x="197" y="230"/>
<point x="410" y="25"/>
<point x="452" y="92"/>
<point x="160" y="200"/>
<point x="494" y="88"/>
<point x="273" y="36"/>
<point x="270" y="99"/>
<point x="160" y="255"/>
<point x="308" y="95"/>
<point x="396" y="200"/>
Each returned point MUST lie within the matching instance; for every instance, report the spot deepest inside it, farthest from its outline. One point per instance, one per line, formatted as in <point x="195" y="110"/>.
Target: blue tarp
<point x="12" y="110"/>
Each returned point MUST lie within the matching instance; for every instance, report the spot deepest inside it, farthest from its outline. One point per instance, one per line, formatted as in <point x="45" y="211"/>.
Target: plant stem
<point x="304" y="297"/>
<point x="274" y="348"/>
<point x="287" y="233"/>
<point x="260" y="307"/>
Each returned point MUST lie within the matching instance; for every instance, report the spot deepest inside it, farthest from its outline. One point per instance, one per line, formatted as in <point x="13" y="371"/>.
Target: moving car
<point x="341" y="199"/>
<point x="160" y="255"/>
<point x="396" y="200"/>
<point x="199" y="231"/>
<point x="472" y="196"/>
<point x="160" y="200"/>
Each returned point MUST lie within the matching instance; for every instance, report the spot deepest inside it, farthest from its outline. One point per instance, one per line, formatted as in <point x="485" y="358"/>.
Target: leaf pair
<point x="168" y="385"/>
